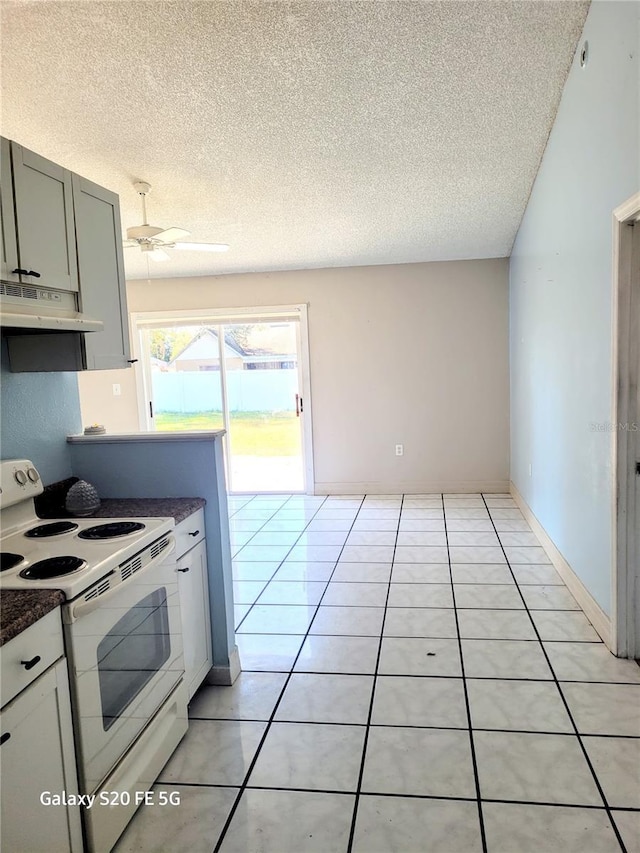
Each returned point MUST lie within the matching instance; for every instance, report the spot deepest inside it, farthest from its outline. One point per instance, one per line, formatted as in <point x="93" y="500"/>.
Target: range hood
<point x="40" y="309"/>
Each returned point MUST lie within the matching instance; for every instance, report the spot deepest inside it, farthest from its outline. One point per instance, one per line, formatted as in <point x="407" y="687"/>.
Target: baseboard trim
<point x="426" y="487"/>
<point x="592" y="610"/>
<point x="225" y="675"/>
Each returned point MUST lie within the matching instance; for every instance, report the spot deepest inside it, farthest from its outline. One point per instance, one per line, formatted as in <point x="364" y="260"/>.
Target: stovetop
<point x="82" y="559"/>
<point x="66" y="554"/>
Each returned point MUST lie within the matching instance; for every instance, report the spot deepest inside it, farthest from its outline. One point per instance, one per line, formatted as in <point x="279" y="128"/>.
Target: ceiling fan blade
<point x="158" y="255"/>
<point x="170" y="235"/>
<point x="130" y="244"/>
<point x="203" y="247"/>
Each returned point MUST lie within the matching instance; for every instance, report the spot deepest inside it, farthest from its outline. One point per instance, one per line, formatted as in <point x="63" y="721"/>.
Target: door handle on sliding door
<point x="298" y="405"/>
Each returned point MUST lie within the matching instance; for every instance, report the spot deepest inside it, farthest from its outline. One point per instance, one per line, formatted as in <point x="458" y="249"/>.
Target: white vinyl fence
<point x="247" y="391"/>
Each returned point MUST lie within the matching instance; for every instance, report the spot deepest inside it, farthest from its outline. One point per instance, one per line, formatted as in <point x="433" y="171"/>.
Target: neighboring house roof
<point x="205" y="345"/>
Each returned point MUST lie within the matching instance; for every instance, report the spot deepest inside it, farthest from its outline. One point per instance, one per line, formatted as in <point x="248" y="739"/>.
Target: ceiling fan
<point x="153" y="241"/>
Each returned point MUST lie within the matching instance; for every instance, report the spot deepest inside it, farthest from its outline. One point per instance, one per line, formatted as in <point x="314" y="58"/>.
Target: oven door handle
<point x="82" y="608"/>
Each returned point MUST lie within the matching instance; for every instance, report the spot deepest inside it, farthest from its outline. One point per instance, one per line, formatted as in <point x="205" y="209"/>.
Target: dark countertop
<point x="51" y="505"/>
<point x="20" y="608"/>
<point x="178" y="508"/>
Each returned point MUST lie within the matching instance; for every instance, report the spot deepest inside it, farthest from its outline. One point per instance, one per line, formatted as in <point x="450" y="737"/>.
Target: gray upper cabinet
<point x="8" y="241"/>
<point x="61" y="240"/>
<point x="101" y="271"/>
<point x="44" y="220"/>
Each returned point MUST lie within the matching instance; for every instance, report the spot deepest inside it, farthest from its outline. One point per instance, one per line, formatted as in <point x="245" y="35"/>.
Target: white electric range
<point x="123" y="639"/>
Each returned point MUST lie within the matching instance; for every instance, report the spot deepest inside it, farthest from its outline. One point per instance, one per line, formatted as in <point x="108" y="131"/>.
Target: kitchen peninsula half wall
<point x="165" y="465"/>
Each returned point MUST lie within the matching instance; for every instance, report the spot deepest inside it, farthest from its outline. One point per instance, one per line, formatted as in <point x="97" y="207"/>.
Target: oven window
<point x="131" y="653"/>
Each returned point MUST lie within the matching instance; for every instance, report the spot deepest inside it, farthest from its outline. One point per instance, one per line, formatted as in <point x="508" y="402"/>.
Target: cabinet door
<point x="44" y="220"/>
<point x="8" y="244"/>
<point x="193" y="585"/>
<point x="101" y="273"/>
<point x="38" y="758"/>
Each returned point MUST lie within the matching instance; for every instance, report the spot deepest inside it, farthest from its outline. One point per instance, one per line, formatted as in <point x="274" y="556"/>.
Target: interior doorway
<point x="626" y="421"/>
<point x="244" y="372"/>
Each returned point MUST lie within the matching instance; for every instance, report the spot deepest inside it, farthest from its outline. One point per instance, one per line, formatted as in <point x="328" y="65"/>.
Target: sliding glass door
<point x="262" y="386"/>
<point x="242" y="375"/>
<point x="182" y="365"/>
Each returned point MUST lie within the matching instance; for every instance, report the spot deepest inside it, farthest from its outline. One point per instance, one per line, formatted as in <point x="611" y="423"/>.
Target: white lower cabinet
<point x="38" y="768"/>
<point x="193" y="586"/>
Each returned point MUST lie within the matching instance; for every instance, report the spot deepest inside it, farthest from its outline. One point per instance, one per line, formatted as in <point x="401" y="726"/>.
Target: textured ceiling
<point x="304" y="134"/>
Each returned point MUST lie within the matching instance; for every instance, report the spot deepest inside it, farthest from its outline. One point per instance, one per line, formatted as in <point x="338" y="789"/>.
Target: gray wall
<point x="560" y="299"/>
<point x="413" y="354"/>
<point x="38" y="411"/>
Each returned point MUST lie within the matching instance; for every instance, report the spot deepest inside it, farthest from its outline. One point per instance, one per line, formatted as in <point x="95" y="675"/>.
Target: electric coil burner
<point x="55" y="528"/>
<point x="9" y="561"/>
<point x="53" y="567"/>
<point x="111" y="530"/>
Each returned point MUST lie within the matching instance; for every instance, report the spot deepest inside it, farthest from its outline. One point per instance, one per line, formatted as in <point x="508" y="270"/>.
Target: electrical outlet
<point x="399" y="449"/>
<point x="117" y="391"/>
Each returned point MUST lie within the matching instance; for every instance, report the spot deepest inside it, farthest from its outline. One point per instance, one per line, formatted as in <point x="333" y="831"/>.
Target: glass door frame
<point x="142" y="321"/>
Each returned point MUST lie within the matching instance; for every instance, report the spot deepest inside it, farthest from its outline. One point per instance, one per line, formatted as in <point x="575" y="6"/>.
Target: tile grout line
<point x="418" y="606"/>
<point x="401" y="725"/>
<point x="392" y="795"/>
<point x="289" y="675"/>
<point x="474" y="761"/>
<point x="373" y="695"/>
<point x="414" y="636"/>
<point x="562" y="696"/>
<point x="469" y="678"/>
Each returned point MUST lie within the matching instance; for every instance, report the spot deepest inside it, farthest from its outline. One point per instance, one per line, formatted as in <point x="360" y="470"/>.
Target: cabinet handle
<point x="5" y="737"/>
<point x="193" y="532"/>
<point x="29" y="664"/>
<point x="20" y="271"/>
<point x="185" y="570"/>
<point x="132" y="360"/>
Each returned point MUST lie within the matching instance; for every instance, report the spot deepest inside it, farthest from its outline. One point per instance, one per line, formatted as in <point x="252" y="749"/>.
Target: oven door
<point x="125" y="650"/>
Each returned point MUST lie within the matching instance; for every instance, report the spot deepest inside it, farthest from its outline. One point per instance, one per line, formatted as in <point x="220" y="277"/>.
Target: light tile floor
<point x="416" y="677"/>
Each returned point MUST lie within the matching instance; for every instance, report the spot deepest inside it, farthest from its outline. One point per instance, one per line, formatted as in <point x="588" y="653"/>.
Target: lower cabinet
<point x="38" y="769"/>
<point x="193" y="586"/>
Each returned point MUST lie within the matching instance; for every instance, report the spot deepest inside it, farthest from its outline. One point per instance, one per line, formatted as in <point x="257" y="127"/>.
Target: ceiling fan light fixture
<point x="142" y="232"/>
<point x="153" y="251"/>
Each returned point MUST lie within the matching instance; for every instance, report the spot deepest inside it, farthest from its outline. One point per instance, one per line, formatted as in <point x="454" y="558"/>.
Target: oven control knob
<point x="33" y="475"/>
<point x="20" y="476"/>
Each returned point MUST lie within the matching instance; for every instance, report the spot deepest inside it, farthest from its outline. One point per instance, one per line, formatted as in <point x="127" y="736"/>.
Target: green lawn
<point x="252" y="433"/>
